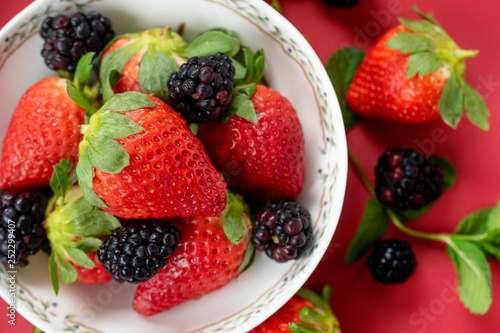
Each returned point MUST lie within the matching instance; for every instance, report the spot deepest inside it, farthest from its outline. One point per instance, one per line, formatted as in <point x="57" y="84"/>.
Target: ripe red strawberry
<point x="304" y="312"/>
<point x="94" y="275"/>
<point x="265" y="160"/>
<point x="44" y="129"/>
<point x="416" y="73"/>
<point x="142" y="161"/>
<point x="125" y="56"/>
<point x="204" y="261"/>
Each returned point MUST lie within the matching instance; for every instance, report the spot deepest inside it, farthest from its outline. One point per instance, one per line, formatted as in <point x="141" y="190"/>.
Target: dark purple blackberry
<point x="406" y="179"/>
<point x="201" y="90"/>
<point x="392" y="261"/>
<point x="67" y="39"/>
<point x="341" y="3"/>
<point x="284" y="230"/>
<point x="137" y="251"/>
<point x="21" y="231"/>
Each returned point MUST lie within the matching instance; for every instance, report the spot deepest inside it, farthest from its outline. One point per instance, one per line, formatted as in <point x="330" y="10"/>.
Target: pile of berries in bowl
<point x="190" y="159"/>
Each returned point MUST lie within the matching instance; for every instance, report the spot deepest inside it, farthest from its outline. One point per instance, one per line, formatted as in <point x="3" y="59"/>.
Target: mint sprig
<point x="476" y="238"/>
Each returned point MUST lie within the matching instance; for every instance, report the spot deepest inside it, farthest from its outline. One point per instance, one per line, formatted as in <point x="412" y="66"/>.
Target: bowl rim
<point x="339" y="135"/>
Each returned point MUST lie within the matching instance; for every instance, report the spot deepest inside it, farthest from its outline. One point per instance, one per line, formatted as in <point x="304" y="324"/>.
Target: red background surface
<point x="427" y="302"/>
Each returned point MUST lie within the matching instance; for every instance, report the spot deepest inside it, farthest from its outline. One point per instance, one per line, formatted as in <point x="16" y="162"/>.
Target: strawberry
<point x="304" y="312"/>
<point x="44" y="129"/>
<point x="205" y="260"/>
<point x="416" y="73"/>
<point x="75" y="230"/>
<point x="139" y="160"/>
<point x="265" y="157"/>
<point x="140" y="61"/>
<point x="94" y="275"/>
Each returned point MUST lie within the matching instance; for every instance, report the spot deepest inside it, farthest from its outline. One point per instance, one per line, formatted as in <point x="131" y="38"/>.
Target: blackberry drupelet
<point x="284" y="230"/>
<point x="341" y="3"/>
<point x="67" y="39"/>
<point x="201" y="90"/>
<point x="392" y="261"/>
<point x="137" y="251"/>
<point x="406" y="179"/>
<point x="22" y="215"/>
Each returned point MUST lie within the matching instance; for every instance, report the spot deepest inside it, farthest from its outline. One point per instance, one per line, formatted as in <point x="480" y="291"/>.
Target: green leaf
<point x="212" y="42"/>
<point x="89" y="113"/>
<point x="128" y="101"/>
<point x="474" y="277"/>
<point x="476" y="108"/>
<point x="493" y="222"/>
<point x="412" y="214"/>
<point x="239" y="70"/>
<point x="154" y="70"/>
<point x="424" y="27"/>
<point x="67" y="273"/>
<point x="194" y="128"/>
<point x="450" y="173"/>
<point x="248" y="260"/>
<point x="91" y="197"/>
<point x="422" y="63"/>
<point x="79" y="257"/>
<point x="77" y="96"/>
<point x="258" y="67"/>
<point x="107" y="155"/>
<point x="53" y="273"/>
<point x="408" y="42"/>
<point x="59" y="181"/>
<point x="234" y="224"/>
<point x="113" y="78"/>
<point x="474" y="224"/>
<point x="96" y="223"/>
<point x="242" y="106"/>
<point x="491" y="244"/>
<point x="84" y="169"/>
<point x="341" y="68"/>
<point x="373" y="226"/>
<point x="83" y="69"/>
<point x="247" y="90"/>
<point x="451" y="104"/>
<point x="115" y="61"/>
<point x="88" y="245"/>
<point x="302" y="328"/>
<point x="116" y="125"/>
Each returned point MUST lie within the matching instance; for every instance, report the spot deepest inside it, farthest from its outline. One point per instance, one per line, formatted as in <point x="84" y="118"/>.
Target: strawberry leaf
<point x="451" y="104"/>
<point x="83" y="69"/>
<point x="79" y="257"/>
<point x="66" y="272"/>
<point x="154" y="70"/>
<point x="109" y="83"/>
<point x="84" y="170"/>
<point x="128" y="101"/>
<point x="474" y="276"/>
<point x="422" y="63"/>
<point x="408" y="42"/>
<point x="247" y="90"/>
<point x="59" y="182"/>
<point x="341" y="68"/>
<point x="91" y="197"/>
<point x="249" y="259"/>
<point x="93" y="224"/>
<point x="373" y="226"/>
<point x="212" y="42"/>
<point x="116" y="125"/>
<point x="77" y="96"/>
<point x="424" y="27"/>
<point x="242" y="106"/>
<point x="234" y="213"/>
<point x="107" y="155"/>
<point x="193" y="127"/>
<point x="476" y="108"/>
<point x="88" y="245"/>
<point x="53" y="272"/>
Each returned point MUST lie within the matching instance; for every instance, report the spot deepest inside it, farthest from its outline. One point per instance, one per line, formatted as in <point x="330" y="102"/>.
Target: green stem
<point x="398" y="224"/>
<point x="361" y="173"/>
<point x="464" y="54"/>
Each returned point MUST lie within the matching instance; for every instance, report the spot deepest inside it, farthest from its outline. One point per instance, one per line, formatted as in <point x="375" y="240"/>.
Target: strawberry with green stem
<point x="415" y="73"/>
<point x="305" y="312"/>
<point x="475" y="239"/>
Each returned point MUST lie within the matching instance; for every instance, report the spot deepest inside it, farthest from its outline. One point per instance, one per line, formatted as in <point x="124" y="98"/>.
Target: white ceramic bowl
<point x="292" y="68"/>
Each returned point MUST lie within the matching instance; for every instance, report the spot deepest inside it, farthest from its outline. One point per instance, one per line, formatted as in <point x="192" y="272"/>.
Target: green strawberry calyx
<point x="432" y="49"/>
<point x="99" y="148"/>
<point x="160" y="46"/>
<point x="72" y="225"/>
<point x="318" y="319"/>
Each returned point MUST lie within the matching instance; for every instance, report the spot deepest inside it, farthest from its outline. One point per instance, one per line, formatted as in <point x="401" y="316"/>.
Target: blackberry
<point x="406" y="179"/>
<point x="67" y="39"/>
<point x="284" y="230"/>
<point x="392" y="261"/>
<point x="22" y="215"/>
<point x="201" y="90"/>
<point x="136" y="252"/>
<point x="341" y="3"/>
